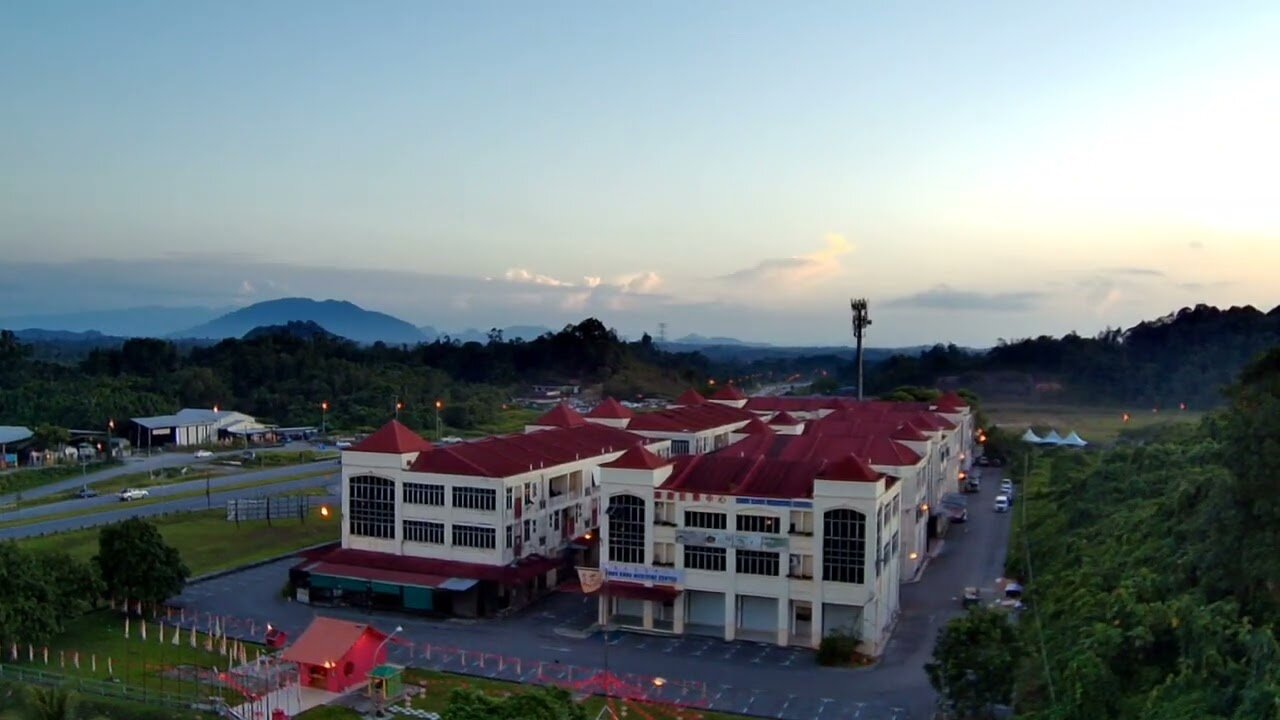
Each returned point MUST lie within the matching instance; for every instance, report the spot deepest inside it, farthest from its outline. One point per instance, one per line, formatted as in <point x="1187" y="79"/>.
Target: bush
<point x="837" y="649"/>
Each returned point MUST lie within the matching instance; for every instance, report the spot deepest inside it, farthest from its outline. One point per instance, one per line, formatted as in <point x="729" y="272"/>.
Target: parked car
<point x="1002" y="503"/>
<point x="201" y="454"/>
<point x="983" y="460"/>
<point x="132" y="494"/>
<point x="248" y="456"/>
<point x="86" y="492"/>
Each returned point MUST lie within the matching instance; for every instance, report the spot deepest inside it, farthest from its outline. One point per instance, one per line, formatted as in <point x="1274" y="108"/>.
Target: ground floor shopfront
<point x="736" y="616"/>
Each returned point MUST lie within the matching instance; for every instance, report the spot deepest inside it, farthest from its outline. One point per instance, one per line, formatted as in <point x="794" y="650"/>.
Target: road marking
<point x="557" y="649"/>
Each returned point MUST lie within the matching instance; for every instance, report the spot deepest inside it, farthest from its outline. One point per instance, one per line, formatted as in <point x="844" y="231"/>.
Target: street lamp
<point x="439" y="407"/>
<point x="381" y="695"/>
<point x="324" y="416"/>
<point x="111" y="425"/>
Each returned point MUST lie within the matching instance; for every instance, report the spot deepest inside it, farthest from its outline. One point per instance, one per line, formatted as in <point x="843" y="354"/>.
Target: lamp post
<point x="439" y="407"/>
<point x="379" y="698"/>
<point x="324" y="416"/>
<point x="111" y="425"/>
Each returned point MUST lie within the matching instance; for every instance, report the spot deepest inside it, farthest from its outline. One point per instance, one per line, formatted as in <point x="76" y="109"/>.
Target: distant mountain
<point x="336" y="316"/>
<point x="702" y="340"/>
<point x="150" y="321"/>
<point x="304" y="329"/>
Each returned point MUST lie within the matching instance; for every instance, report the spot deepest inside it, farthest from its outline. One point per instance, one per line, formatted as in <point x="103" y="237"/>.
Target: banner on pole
<point x="591" y="579"/>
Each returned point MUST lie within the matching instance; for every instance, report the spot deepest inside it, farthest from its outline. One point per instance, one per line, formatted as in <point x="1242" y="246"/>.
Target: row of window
<point x="464" y="498"/>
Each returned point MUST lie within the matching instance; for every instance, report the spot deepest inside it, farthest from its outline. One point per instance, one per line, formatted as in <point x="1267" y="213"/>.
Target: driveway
<point x="540" y="642"/>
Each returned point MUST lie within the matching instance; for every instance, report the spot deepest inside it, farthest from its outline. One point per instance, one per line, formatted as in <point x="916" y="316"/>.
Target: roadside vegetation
<point x="1150" y="571"/>
<point x="16" y="482"/>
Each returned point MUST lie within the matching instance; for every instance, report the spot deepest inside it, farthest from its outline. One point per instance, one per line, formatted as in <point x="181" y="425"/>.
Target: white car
<point x="132" y="494"/>
<point x="1002" y="503"/>
<point x="201" y="454"/>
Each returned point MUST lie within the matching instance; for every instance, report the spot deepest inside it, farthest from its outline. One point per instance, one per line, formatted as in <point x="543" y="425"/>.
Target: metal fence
<point x="99" y="688"/>
<point x="284" y="507"/>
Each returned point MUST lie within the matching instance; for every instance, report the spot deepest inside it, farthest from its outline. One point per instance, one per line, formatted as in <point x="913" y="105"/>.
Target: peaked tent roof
<point x="637" y="458"/>
<point x="561" y="416"/>
<point x="1074" y="440"/>
<point x="610" y="409"/>
<point x="690" y="397"/>
<point x="1030" y="437"/>
<point x="1053" y="438"/>
<point x="327" y="640"/>
<point x="393" y="438"/>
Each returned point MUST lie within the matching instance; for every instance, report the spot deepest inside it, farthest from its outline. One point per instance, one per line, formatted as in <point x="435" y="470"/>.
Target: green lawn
<point x="209" y="543"/>
<point x="511" y="420"/>
<point x="440" y="685"/>
<point x="18" y="481"/>
<point x="155" y="478"/>
<point x="1098" y="425"/>
<point x="137" y="664"/>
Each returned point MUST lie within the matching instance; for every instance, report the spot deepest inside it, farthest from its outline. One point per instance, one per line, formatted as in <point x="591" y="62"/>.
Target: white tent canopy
<point x="1074" y="440"/>
<point x="1031" y="437"/>
<point x="1053" y="438"/>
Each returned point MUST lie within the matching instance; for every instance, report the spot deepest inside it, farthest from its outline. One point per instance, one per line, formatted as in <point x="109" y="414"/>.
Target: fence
<point x="285" y="507"/>
<point x="100" y="688"/>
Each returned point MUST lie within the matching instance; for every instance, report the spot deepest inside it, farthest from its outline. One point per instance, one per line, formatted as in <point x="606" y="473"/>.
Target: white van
<point x="1002" y="503"/>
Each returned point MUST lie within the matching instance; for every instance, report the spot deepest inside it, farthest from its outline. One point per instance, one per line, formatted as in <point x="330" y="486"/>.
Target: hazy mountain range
<point x="337" y="317"/>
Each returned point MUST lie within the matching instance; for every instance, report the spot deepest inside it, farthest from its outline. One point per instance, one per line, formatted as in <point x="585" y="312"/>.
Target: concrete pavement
<point x="742" y="677"/>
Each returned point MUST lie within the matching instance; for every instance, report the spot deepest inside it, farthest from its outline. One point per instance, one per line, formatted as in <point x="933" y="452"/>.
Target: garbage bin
<point x="278" y="714"/>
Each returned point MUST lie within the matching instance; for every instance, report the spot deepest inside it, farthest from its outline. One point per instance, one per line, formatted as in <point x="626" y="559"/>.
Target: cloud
<point x="944" y="297"/>
<point x="641" y="282"/>
<point x="520" y="275"/>
<point x="1136" y="272"/>
<point x="645" y="282"/>
<point x="819" y="265"/>
<point x="1195" y="245"/>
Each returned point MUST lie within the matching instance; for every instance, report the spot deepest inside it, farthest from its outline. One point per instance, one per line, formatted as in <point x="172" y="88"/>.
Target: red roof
<point x="690" y="397"/>
<point x="909" y="433"/>
<point x="327" y="640"/>
<point x="393" y="438"/>
<point x="728" y="392"/>
<point x="951" y="400"/>
<point x="507" y="455"/>
<point x="610" y="409"/>
<point x="796" y="404"/>
<point x="690" y="418"/>
<point x="755" y="476"/>
<point x="755" y="426"/>
<point x="850" y="468"/>
<point x="561" y="416"/>
<point x="637" y="458"/>
<point x="783" y="418"/>
<point x="525" y="570"/>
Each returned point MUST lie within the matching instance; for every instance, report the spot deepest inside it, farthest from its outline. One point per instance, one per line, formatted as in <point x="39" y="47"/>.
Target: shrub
<point x="837" y="648"/>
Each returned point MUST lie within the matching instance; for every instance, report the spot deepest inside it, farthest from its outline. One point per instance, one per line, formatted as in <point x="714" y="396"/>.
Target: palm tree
<point x="45" y="703"/>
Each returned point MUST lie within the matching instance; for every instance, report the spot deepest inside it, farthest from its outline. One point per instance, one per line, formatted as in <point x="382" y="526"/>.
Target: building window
<point x="475" y="536"/>
<point x="511" y="533"/>
<point x="757" y="562"/>
<point x="705" y="520"/>
<point x="424" y="531"/>
<point x="626" y="529"/>
<point x="664" y="513"/>
<point x="894" y="544"/>
<point x="473" y="498"/>
<point x="511" y="493"/>
<point x="372" y="506"/>
<point x="759" y="524"/>
<point x="704" y="558"/>
<point x="844" y="546"/>
<point x="801" y="567"/>
<point x="664" y="554"/>
<point x="423" y="494"/>
<point x="679" y="447"/>
<point x="801" y="522"/>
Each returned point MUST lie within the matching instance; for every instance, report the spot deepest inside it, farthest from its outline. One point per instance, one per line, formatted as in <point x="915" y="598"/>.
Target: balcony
<point x="793" y="530"/>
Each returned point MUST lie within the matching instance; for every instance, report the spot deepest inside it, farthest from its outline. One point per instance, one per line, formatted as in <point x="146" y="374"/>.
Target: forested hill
<point x="1186" y="357"/>
<point x="283" y="377"/>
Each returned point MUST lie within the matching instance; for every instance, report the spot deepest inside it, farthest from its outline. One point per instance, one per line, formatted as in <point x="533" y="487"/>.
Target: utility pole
<point x="662" y="332"/>
<point x="861" y="320"/>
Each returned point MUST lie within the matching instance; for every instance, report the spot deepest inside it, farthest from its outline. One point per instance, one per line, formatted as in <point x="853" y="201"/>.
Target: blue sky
<point x="979" y="171"/>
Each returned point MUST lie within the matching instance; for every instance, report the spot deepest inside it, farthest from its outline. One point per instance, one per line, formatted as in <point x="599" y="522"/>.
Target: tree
<point x="41" y="592"/>
<point x="135" y="563"/>
<point x="973" y="662"/>
<point x="548" y="703"/>
<point x="51" y="437"/>
<point x="46" y="703"/>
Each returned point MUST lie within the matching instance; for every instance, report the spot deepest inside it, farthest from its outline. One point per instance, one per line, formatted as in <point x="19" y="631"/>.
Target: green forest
<point x="1186" y="357"/>
<point x="283" y="377"/>
<point x="1154" y="582"/>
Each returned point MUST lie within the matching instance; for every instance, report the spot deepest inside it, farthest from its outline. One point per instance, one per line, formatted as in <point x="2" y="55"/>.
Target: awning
<point x="635" y="591"/>
<point x="391" y="577"/>
<point x="458" y="584"/>
<point x="524" y="571"/>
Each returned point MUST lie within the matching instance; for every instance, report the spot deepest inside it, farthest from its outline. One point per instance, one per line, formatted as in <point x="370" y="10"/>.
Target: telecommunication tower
<point x="861" y="320"/>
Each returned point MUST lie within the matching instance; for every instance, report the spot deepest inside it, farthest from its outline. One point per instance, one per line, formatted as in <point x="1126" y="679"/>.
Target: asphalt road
<point x="176" y="488"/>
<point x="136" y="464"/>
<point x="744" y="677"/>
<point x="125" y="510"/>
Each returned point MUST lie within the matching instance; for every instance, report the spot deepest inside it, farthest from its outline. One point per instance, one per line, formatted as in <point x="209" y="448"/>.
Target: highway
<point x="216" y="499"/>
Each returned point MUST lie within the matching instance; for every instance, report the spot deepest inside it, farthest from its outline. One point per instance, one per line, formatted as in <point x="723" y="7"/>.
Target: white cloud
<point x="817" y="266"/>
<point x="644" y="282"/>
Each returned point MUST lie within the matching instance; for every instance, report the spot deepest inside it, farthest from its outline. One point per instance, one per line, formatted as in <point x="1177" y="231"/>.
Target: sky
<point x="977" y="171"/>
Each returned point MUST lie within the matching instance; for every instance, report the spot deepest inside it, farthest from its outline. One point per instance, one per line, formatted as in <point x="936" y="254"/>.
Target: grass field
<point x="1097" y="425"/>
<point x="17" y="481"/>
<point x="209" y="543"/>
<point x="155" y="478"/>
<point x="440" y="685"/>
<point x="511" y="420"/>
<point x="134" y="662"/>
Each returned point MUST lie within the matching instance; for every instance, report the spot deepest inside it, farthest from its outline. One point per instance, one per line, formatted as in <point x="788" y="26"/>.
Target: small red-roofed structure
<point x="394" y="439"/>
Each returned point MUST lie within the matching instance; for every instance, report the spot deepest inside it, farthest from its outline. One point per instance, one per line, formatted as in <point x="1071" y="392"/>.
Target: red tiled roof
<point x="909" y="433"/>
<point x="796" y="404"/>
<point x="951" y="400"/>
<point x="393" y="438"/>
<point x="690" y="397"/>
<point x="610" y="409"/>
<point x="560" y="416"/>
<point x="637" y="458"/>
<point x="327" y="640"/>
<point x="690" y="418"/>
<point x="507" y="455"/>
<point x="526" y="569"/>
<point x="875" y="449"/>
<point x="784" y="418"/>
<point x="755" y="426"/>
<point x="850" y="468"/>
<point x="728" y="392"/>
<point x="755" y="476"/>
